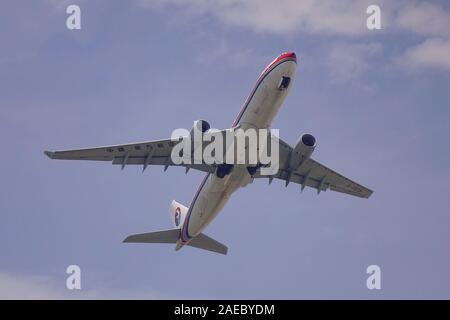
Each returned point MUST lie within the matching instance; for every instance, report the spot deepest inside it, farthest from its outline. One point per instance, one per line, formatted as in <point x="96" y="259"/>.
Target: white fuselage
<point x="258" y="112"/>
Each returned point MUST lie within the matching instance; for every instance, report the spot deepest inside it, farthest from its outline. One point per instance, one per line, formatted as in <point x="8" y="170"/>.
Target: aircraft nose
<point x="289" y="54"/>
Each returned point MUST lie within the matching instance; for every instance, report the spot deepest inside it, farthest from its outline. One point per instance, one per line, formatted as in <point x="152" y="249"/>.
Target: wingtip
<point x="49" y="154"/>
<point x="367" y="194"/>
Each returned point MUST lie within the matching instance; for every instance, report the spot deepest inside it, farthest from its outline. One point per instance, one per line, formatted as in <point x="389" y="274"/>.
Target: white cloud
<point x="432" y="22"/>
<point x="348" y="61"/>
<point x="344" y="17"/>
<point x="46" y="288"/>
<point x="428" y="21"/>
<point x="424" y="19"/>
<point x="224" y="52"/>
<point x="433" y="52"/>
<point x="12" y="287"/>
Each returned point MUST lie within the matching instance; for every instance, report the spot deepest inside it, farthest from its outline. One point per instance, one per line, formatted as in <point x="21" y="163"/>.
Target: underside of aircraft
<point x="294" y="163"/>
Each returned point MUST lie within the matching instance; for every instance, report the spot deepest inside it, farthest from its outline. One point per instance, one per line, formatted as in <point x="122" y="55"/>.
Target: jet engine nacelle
<point x="302" y="151"/>
<point x="200" y="125"/>
<point x="224" y="170"/>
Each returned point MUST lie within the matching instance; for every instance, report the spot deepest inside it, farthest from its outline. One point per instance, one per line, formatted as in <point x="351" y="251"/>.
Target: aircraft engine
<point x="302" y="151"/>
<point x="224" y="169"/>
<point x="201" y="125"/>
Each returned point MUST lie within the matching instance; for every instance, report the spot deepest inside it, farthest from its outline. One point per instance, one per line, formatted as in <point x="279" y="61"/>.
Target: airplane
<point x="221" y="180"/>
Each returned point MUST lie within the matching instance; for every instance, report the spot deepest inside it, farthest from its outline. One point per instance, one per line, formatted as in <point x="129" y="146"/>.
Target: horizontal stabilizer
<point x="202" y="241"/>
<point x="165" y="236"/>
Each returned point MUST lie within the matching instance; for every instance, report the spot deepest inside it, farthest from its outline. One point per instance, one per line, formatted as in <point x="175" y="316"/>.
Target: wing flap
<point x="315" y="175"/>
<point x="143" y="153"/>
<point x="108" y="153"/>
<point x="321" y="178"/>
<point x="336" y="181"/>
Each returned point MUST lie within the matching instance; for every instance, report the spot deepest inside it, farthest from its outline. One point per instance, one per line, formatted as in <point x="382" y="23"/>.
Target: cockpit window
<point x="284" y="83"/>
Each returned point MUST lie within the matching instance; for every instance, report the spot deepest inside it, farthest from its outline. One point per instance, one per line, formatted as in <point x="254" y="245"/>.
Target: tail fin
<point x="201" y="241"/>
<point x="177" y="213"/>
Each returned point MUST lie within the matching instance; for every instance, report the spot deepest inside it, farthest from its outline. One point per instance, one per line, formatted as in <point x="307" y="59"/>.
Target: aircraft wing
<point x="315" y="175"/>
<point x="146" y="153"/>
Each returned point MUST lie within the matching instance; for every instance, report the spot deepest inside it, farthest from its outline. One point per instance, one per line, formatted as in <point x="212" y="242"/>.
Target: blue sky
<point x="377" y="102"/>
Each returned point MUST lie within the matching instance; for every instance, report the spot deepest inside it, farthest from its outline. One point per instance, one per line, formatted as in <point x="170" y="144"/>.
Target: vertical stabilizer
<point x="177" y="213"/>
